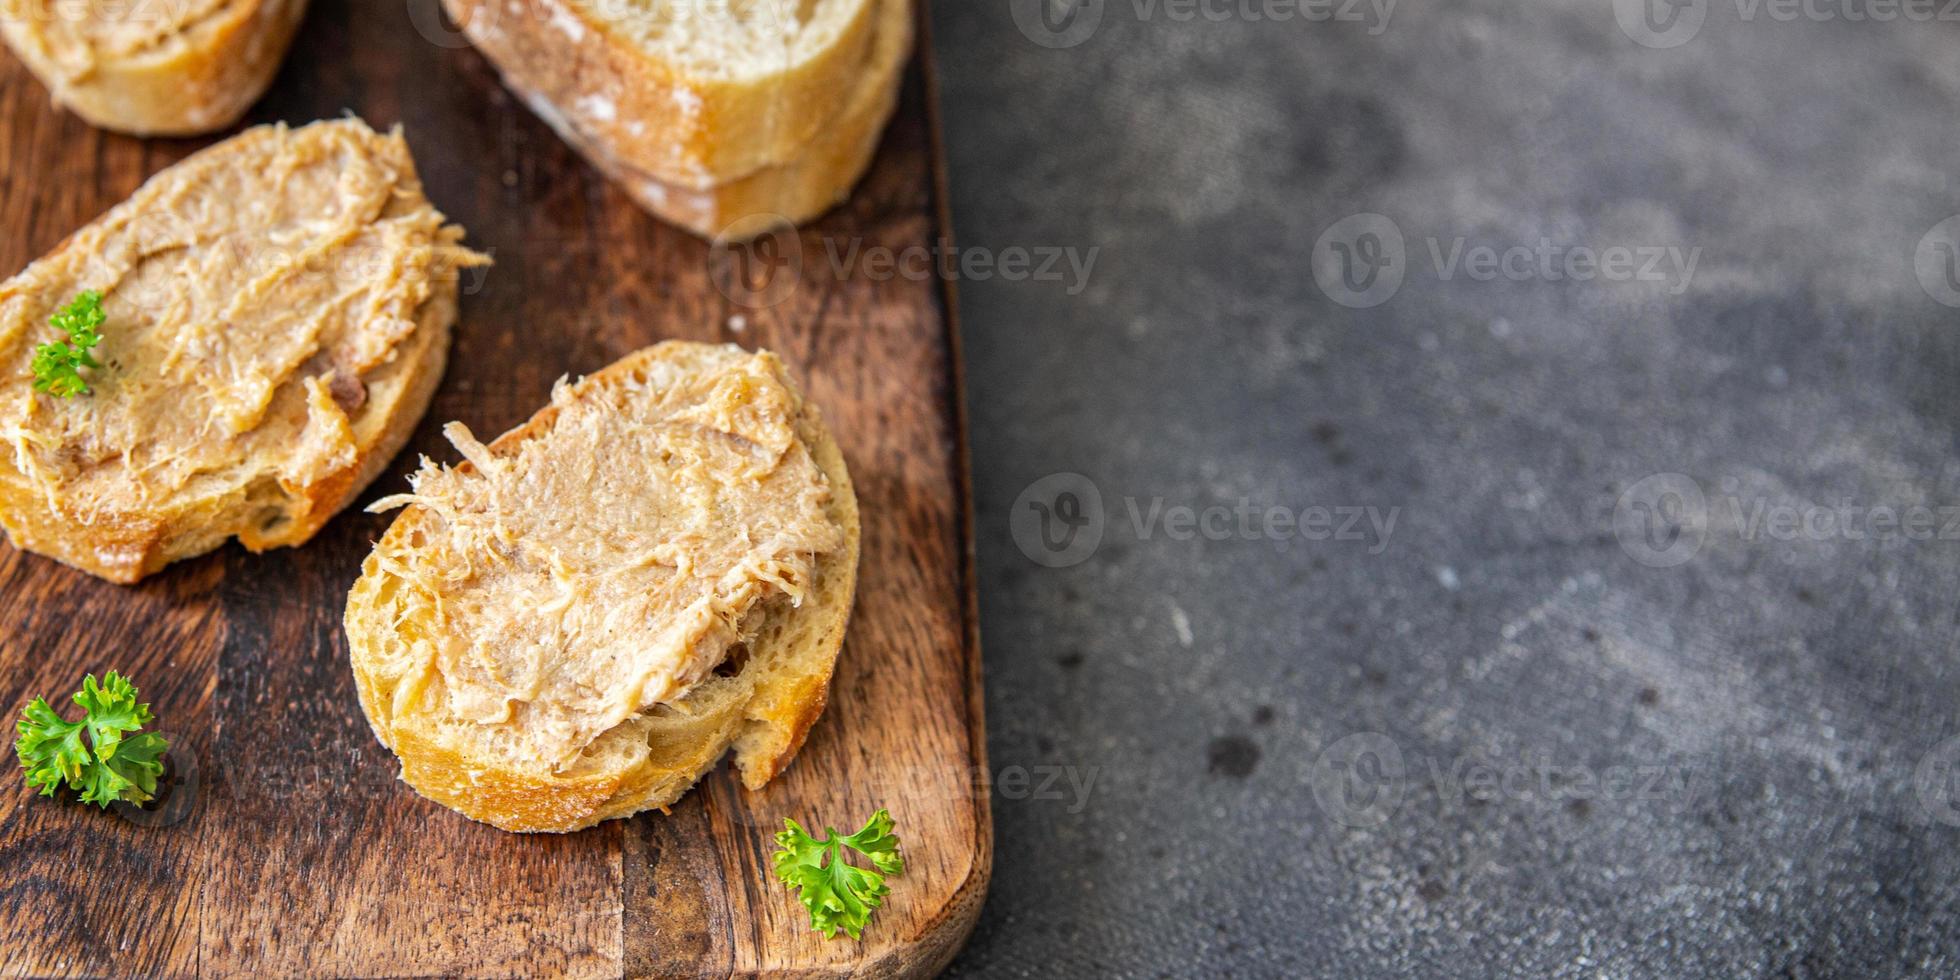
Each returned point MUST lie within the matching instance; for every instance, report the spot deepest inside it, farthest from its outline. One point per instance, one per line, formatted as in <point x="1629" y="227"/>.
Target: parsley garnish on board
<point x="57" y="365"/>
<point x="107" y="767"/>
<point x="839" y="895"/>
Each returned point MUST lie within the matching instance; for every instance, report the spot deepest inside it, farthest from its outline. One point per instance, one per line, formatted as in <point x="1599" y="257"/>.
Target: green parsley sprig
<point x="57" y="365"/>
<point x="839" y="895"/>
<point x="107" y="767"/>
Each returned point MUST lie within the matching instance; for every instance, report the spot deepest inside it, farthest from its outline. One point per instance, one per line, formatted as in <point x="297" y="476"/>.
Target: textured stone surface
<point x="1767" y="701"/>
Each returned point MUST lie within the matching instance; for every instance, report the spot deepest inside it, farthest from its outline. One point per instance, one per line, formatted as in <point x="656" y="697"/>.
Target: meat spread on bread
<point x="538" y="635"/>
<point x="278" y="309"/>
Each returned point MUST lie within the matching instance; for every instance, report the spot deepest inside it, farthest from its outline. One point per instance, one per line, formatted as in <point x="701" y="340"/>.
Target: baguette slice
<point x="153" y="67"/>
<point x="820" y="178"/>
<point x="579" y="621"/>
<point x="693" y="93"/>
<point x="278" y="312"/>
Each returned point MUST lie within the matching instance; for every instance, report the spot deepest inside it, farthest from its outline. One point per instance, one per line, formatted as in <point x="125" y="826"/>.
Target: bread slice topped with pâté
<point x="233" y="352"/>
<point x="580" y="619"/>
<point x="153" y="67"/>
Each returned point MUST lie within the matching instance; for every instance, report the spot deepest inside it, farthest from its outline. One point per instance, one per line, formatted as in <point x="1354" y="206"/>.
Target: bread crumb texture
<point x="721" y="39"/>
<point x="269" y="302"/>
<point x="549" y="601"/>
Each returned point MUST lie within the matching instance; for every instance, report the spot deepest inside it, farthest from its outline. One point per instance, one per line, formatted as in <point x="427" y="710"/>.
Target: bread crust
<point x="140" y="537"/>
<point x="796" y="191"/>
<point x="679" y="127"/>
<point x="197" y="81"/>
<point x="763" y="713"/>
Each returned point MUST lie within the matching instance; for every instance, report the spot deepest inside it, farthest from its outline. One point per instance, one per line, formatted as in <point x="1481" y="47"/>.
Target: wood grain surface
<point x="288" y="845"/>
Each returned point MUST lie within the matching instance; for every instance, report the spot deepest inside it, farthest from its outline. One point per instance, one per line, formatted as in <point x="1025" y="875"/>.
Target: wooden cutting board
<point x="293" y="848"/>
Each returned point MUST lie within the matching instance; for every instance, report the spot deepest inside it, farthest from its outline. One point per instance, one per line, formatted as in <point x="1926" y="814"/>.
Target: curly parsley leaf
<point x="127" y="772"/>
<point x="111" y="710"/>
<point x="838" y="894"/>
<point x="877" y="842"/>
<point x="57" y="366"/>
<point x="118" y="761"/>
<point x="50" y="748"/>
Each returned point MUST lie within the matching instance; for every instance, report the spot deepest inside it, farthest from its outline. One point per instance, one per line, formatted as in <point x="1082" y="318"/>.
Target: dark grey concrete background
<point x="1775" y="705"/>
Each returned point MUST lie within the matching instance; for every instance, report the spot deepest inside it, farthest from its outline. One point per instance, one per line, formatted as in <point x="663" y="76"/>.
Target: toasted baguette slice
<point x="580" y="620"/>
<point x="795" y="191"/>
<point x="691" y="92"/>
<point x="153" y="67"/>
<point x="277" y="309"/>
